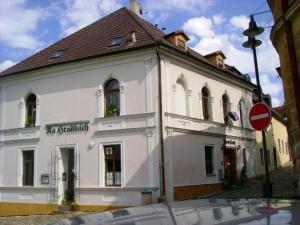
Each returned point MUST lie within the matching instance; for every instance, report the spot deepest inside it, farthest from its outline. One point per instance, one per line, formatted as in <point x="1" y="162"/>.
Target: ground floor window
<point x="112" y="155"/>
<point x="28" y="168"/>
<point x="209" y="160"/>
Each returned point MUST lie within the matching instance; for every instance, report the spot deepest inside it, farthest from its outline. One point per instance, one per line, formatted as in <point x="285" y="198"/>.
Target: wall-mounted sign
<point x="45" y="178"/>
<point x="229" y="143"/>
<point x="61" y="128"/>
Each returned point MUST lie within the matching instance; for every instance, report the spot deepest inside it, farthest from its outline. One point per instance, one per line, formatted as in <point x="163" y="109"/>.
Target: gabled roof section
<point x="94" y="40"/>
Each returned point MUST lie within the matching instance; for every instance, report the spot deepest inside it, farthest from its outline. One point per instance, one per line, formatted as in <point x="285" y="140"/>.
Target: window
<point x="242" y="112"/>
<point x="282" y="146"/>
<point x="225" y="105"/>
<point x="112" y="155"/>
<point x="30" y="111"/>
<point x="209" y="160"/>
<point x="58" y="53"/>
<point x="206" y="103"/>
<point x="117" y="41"/>
<point x="279" y="147"/>
<point x="261" y="156"/>
<point x="28" y="168"/>
<point x="181" y="44"/>
<point x="220" y="62"/>
<point x="112" y="98"/>
<point x="180" y="98"/>
<point x="286" y="148"/>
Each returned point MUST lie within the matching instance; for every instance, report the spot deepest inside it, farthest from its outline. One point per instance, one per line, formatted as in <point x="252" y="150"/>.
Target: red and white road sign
<point x="260" y="116"/>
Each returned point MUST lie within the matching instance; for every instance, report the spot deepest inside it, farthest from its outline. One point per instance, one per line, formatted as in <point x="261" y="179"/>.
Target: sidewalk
<point x="282" y="180"/>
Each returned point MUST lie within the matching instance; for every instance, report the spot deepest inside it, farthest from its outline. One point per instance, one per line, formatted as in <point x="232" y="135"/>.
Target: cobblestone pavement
<point x="36" y="219"/>
<point x="282" y="180"/>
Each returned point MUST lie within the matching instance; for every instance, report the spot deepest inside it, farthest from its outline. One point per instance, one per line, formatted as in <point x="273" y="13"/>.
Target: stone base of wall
<point x="193" y="191"/>
<point x="99" y="208"/>
<point x="25" y="209"/>
<point x="22" y="209"/>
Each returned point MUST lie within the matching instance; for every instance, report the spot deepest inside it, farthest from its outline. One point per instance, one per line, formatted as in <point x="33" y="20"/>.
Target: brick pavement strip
<point x="37" y="219"/>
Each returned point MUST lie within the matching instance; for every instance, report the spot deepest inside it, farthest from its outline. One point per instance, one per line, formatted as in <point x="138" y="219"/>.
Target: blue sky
<point x="27" y="26"/>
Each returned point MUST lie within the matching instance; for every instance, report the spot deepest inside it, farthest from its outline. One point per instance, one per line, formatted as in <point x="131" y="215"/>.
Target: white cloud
<point x="218" y="19"/>
<point x="6" y="64"/>
<point x="18" y="23"/>
<point x="276" y="102"/>
<point x="241" y="22"/>
<point x="77" y="14"/>
<point x="200" y="26"/>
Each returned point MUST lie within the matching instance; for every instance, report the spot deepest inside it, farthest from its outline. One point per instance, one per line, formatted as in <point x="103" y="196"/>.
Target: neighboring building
<point x="285" y="37"/>
<point x="120" y="114"/>
<point x="277" y="144"/>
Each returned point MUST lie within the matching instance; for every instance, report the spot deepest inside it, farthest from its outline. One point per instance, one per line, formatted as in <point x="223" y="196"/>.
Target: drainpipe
<point x="161" y="138"/>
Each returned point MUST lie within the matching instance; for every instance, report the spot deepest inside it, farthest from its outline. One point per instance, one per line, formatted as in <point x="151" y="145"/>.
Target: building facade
<point x="120" y="123"/>
<point x="285" y="37"/>
<point x="277" y="145"/>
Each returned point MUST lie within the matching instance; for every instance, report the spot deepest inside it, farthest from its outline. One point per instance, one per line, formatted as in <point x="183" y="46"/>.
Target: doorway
<point x="66" y="176"/>
<point x="230" y="176"/>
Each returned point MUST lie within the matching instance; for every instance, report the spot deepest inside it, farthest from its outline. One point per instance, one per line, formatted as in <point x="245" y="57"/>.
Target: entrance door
<point x="66" y="175"/>
<point x="229" y="167"/>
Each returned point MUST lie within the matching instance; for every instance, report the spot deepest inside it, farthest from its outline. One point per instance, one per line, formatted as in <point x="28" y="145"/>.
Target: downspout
<point x="161" y="138"/>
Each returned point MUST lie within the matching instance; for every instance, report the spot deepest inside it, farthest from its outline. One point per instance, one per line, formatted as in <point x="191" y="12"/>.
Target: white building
<point x="120" y="114"/>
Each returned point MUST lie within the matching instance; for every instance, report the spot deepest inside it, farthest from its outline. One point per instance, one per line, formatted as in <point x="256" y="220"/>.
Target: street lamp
<point x="252" y="43"/>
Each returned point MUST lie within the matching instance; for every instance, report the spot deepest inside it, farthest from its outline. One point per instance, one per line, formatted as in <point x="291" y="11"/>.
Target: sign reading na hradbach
<point x="71" y="127"/>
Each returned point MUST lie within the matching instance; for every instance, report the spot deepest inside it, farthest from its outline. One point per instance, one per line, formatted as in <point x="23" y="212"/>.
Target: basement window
<point x="117" y="41"/>
<point x="58" y="53"/>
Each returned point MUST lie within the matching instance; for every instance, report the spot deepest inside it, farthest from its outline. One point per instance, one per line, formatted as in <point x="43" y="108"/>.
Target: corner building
<point x="120" y="114"/>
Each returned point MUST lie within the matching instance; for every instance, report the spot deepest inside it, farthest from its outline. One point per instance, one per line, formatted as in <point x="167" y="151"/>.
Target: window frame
<point x="102" y="181"/>
<point x="33" y="109"/>
<point x="208" y="109"/>
<point x="213" y="173"/>
<point x="115" y="96"/>
<point x="21" y="167"/>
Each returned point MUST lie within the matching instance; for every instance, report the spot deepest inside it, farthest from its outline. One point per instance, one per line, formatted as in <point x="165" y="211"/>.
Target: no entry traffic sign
<point x="260" y="116"/>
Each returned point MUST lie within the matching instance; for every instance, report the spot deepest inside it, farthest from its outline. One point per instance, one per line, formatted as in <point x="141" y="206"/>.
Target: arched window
<point x="206" y="108"/>
<point x="112" y="98"/>
<point x="30" y="111"/>
<point x="180" y="98"/>
<point x="242" y="112"/>
<point x="225" y="105"/>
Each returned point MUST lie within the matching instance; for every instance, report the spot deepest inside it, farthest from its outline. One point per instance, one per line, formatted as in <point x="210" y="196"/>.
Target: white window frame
<point x="213" y="160"/>
<point x="20" y="166"/>
<point x="101" y="161"/>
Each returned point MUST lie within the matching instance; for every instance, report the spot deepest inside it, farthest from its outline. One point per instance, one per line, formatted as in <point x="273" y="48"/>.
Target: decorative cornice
<point x="36" y="128"/>
<point x="20" y="140"/>
<point x="124" y="130"/>
<point x="128" y="116"/>
<point x="181" y="130"/>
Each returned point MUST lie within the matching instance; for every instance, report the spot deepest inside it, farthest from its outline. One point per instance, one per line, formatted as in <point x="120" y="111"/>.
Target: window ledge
<point x="210" y="175"/>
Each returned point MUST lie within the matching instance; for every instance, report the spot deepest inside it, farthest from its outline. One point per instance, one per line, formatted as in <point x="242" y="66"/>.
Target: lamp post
<point x="252" y="43"/>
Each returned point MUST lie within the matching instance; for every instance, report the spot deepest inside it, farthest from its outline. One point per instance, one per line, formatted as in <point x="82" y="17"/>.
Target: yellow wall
<point x="276" y="130"/>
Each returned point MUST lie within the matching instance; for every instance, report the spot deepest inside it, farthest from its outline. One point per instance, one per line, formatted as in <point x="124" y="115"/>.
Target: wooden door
<point x="229" y="167"/>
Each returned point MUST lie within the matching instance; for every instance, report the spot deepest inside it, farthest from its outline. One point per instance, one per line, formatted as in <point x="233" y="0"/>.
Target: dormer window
<point x="117" y="41"/>
<point x="181" y="44"/>
<point x="221" y="63"/>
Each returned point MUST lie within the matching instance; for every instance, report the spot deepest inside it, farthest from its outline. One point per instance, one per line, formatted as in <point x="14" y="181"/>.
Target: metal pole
<point x="267" y="190"/>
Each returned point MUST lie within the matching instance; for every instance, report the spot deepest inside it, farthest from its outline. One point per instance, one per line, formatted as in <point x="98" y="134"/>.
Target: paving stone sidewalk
<point x="36" y="219"/>
<point x="282" y="180"/>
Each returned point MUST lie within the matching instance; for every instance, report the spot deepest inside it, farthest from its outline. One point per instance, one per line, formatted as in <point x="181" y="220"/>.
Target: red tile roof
<point x="95" y="40"/>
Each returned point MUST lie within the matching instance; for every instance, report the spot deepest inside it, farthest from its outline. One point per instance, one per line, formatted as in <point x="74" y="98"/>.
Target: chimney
<point x="135" y="7"/>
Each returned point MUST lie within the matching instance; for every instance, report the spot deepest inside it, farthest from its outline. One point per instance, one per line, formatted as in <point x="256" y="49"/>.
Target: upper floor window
<point x="180" y="98"/>
<point x="242" y="112"/>
<point x="225" y="106"/>
<point x="112" y="98"/>
<point x="30" y="111"/>
<point x="206" y="108"/>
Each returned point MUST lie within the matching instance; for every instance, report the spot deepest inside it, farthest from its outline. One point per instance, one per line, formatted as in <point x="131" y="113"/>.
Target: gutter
<point x="161" y="138"/>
